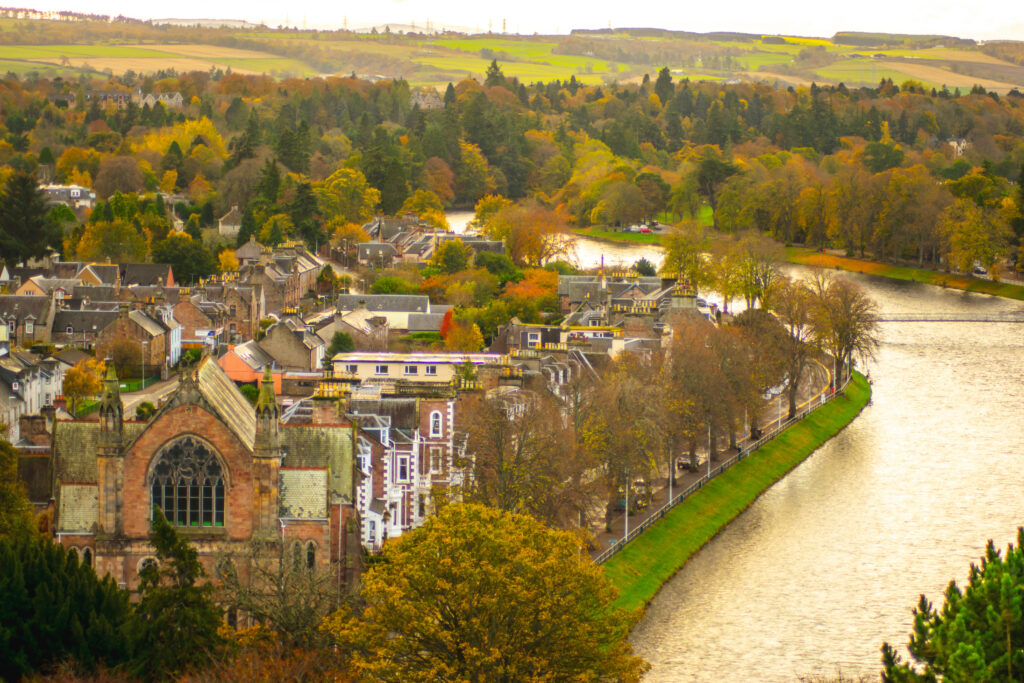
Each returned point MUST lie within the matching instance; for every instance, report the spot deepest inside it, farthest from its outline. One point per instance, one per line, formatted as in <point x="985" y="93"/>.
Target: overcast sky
<point x="962" y="18"/>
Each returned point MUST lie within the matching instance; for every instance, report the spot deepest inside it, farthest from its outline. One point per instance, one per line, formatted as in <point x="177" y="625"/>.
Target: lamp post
<point x="710" y="447"/>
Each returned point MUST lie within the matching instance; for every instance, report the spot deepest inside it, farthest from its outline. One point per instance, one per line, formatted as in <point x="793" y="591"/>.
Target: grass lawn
<point x="600" y="233"/>
<point x="644" y="565"/>
<point x="810" y="257"/>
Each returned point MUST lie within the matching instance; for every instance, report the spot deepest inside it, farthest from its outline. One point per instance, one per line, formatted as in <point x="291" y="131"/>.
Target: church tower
<point x="109" y="458"/>
<point x="266" y="458"/>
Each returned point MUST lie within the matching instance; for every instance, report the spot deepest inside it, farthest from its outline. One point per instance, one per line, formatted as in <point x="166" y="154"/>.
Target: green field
<point x="435" y="60"/>
<point x="643" y="566"/>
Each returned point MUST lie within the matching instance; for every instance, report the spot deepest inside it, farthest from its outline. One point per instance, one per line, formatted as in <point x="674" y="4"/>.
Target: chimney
<point x="325" y="411"/>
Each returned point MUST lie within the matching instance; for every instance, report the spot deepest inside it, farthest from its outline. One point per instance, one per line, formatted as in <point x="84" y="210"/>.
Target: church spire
<point x="268" y="443"/>
<point x="111" y="409"/>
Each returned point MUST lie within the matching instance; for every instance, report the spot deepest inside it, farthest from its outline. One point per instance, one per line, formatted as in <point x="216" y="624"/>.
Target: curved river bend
<point x="829" y="562"/>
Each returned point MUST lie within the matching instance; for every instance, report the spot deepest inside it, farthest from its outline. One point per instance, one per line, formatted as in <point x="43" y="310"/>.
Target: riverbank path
<point x="815" y="383"/>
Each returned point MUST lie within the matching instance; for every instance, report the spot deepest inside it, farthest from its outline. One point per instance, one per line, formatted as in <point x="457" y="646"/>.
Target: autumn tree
<point x="118" y="174"/>
<point x="427" y="207"/>
<point x="685" y="259"/>
<point x="83" y="380"/>
<point x="974" y="233"/>
<point x="276" y="585"/>
<point x="522" y="459"/>
<point x="188" y="257"/>
<point x="844" y="321"/>
<point x="975" y="636"/>
<point x="346" y="196"/>
<point x="464" y="335"/>
<point x="226" y="261"/>
<point x="118" y="240"/>
<point x="794" y="304"/>
<point x="15" y="509"/>
<point x="452" y="256"/>
<point x="533" y="234"/>
<point x="482" y="594"/>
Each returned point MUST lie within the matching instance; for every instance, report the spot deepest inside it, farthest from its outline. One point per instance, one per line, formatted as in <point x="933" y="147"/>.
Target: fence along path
<point x="809" y="406"/>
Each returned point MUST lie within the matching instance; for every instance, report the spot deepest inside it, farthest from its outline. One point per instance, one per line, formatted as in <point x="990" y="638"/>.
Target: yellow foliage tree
<point x="464" y="336"/>
<point x="227" y="262"/>
<point x="83" y="380"/>
<point x="462" y="599"/>
<point x="168" y="181"/>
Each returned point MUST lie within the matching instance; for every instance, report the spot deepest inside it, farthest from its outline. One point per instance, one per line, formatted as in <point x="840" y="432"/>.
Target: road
<point x="154" y="393"/>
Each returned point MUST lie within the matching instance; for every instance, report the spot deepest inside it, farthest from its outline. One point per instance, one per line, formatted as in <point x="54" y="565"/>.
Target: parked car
<point x="645" y="230"/>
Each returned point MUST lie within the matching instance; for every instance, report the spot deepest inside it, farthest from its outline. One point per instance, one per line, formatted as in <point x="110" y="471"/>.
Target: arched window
<point x="87" y="557"/>
<point x="435" y="423"/>
<point x="310" y="555"/>
<point x="74" y="551"/>
<point x="297" y="555"/>
<point x="188" y="484"/>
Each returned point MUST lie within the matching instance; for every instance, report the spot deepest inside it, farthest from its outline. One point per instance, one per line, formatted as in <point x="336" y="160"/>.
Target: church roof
<point x="321" y="446"/>
<point x="79" y="508"/>
<point x="232" y="406"/>
<point x="74" y="448"/>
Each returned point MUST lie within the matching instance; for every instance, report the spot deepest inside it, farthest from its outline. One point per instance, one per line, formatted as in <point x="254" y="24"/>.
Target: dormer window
<point x="69" y="329"/>
<point x="30" y="327"/>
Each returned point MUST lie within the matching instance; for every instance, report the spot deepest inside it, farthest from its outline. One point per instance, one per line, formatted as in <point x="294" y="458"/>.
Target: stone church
<point x="222" y="471"/>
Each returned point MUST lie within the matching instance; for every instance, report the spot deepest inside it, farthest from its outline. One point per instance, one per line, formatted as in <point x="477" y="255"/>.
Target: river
<point x="828" y="563"/>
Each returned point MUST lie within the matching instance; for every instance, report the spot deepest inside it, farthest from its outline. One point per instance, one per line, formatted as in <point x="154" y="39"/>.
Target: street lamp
<point x="625" y="531"/>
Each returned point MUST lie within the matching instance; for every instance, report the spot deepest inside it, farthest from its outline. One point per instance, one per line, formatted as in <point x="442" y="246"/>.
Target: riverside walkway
<point x="664" y="498"/>
<point x="951" y="318"/>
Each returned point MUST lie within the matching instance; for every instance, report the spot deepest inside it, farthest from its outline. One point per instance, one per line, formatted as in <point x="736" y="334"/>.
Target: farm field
<point x="146" y="59"/>
<point x="425" y="60"/>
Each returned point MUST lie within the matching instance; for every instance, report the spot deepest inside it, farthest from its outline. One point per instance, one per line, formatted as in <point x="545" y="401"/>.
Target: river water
<point x="828" y="563"/>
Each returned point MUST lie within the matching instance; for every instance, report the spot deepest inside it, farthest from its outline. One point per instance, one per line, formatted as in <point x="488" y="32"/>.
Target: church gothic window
<point x="188" y="485"/>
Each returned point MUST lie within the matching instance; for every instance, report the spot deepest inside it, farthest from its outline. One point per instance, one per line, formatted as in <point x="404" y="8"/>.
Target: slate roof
<point x="106" y="272"/>
<point x="74" y="448"/>
<point x="252" y="355"/>
<point x="152" y="327"/>
<point x="304" y="493"/>
<point x="369" y="250"/>
<point x="395" y="303"/>
<point x="321" y="446"/>
<point x="233" y="407"/>
<point x="145" y="273"/>
<point x="250" y="250"/>
<point x="20" y="306"/>
<point x="425" y="322"/>
<point x="83" y="321"/>
<point x="94" y="292"/>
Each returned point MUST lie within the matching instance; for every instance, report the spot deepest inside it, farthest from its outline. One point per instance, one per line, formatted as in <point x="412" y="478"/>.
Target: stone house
<point x="148" y="333"/>
<point x="230" y="223"/>
<point x="292" y="346"/>
<point x="27" y="318"/>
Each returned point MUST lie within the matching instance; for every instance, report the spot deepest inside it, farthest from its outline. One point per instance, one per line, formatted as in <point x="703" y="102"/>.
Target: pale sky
<point x="963" y="18"/>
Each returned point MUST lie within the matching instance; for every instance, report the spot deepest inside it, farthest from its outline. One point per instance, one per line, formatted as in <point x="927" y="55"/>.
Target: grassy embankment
<point x="810" y="257"/>
<point x="648" y="562"/>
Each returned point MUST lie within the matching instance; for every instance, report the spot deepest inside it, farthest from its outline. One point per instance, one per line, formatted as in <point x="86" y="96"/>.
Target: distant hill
<point x="68" y="43"/>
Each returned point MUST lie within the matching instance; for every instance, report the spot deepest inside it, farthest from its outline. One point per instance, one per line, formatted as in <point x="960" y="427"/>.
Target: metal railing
<point x="808" y="408"/>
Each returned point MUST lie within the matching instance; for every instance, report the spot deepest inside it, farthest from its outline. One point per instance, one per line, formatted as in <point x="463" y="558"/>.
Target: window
<point x="351" y="369"/>
<point x="310" y="555"/>
<point x="435" y="423"/>
<point x="532" y="339"/>
<point x="188" y="485"/>
<point x="403" y="468"/>
<point x="435" y="459"/>
<point x="11" y="327"/>
<point x="371" y="535"/>
<point x="423" y="505"/>
<point x="430" y="370"/>
<point x="411" y="370"/>
<point x="69" y="329"/>
<point x="231" y="310"/>
<point x="297" y="555"/>
<point x="87" y="557"/>
<point x="48" y="400"/>
<point x="380" y="370"/>
<point x="29" y="327"/>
